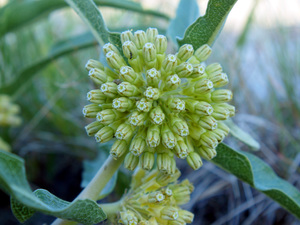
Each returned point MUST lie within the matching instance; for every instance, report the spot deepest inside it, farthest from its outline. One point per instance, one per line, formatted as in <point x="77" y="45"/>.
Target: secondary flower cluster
<point x="155" y="198"/>
<point x="8" y="117"/>
<point x="154" y="103"/>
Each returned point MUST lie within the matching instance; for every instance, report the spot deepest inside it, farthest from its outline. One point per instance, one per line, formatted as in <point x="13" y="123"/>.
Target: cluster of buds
<point x="8" y="117"/>
<point x="8" y="112"/>
<point x="155" y="198"/>
<point x="154" y="103"/>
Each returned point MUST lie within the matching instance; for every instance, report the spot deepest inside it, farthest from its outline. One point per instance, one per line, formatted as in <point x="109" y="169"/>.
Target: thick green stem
<point x="94" y="188"/>
<point x="111" y="209"/>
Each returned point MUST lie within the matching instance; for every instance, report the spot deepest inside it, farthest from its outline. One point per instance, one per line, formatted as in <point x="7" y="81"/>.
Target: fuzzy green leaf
<point x="32" y="10"/>
<point x="206" y="28"/>
<point x="25" y="202"/>
<point x="89" y="13"/>
<point x="187" y="12"/>
<point x="260" y="176"/>
<point x="241" y="135"/>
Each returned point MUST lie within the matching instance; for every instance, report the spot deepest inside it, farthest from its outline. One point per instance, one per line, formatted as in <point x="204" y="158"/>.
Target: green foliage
<point x="206" y="29"/>
<point x="260" y="176"/>
<point x="25" y="202"/>
<point x="187" y="12"/>
<point x="32" y="10"/>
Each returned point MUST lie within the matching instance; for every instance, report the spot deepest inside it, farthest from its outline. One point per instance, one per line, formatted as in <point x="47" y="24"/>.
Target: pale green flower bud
<point x="181" y="149"/>
<point x="163" y="179"/>
<point x="144" y="105"/>
<point x="196" y="131"/>
<point x="194" y="160"/>
<point x="98" y="76"/>
<point x="124" y="131"/>
<point x="224" y="128"/>
<point x="129" y="49"/>
<point x="169" y="213"/>
<point x="96" y="96"/>
<point x="221" y="95"/>
<point x="129" y="75"/>
<point x="153" y="77"/>
<point x="181" y="192"/>
<point x="201" y="86"/>
<point x="93" y="128"/>
<point x="140" y="39"/>
<point x="186" y="216"/>
<point x="91" y="64"/>
<point x="108" y="116"/>
<point x="164" y="162"/>
<point x="149" y="54"/>
<point x="226" y="106"/>
<point x="161" y="44"/>
<point x="155" y="197"/>
<point x="110" y="47"/>
<point x="179" y="126"/>
<point x="198" y="107"/>
<point x="114" y="60"/>
<point x="4" y="146"/>
<point x="220" y="113"/>
<point x="157" y="116"/>
<point x="138" y="143"/>
<point x="207" y="153"/>
<point x="198" y="71"/>
<point x="153" y="136"/>
<point x="203" y="53"/>
<point x="176" y="104"/>
<point x="185" y="52"/>
<point x="152" y="93"/>
<point x="127" y="89"/>
<point x="207" y="122"/>
<point x="208" y="140"/>
<point x="168" y="138"/>
<point x="169" y="64"/>
<point x="147" y="160"/>
<point x="213" y="69"/>
<point x="131" y="161"/>
<point x="126" y="36"/>
<point x="122" y="104"/>
<point x="105" y="134"/>
<point x="151" y="34"/>
<point x="172" y="82"/>
<point x="118" y="149"/>
<point x="219" y="80"/>
<point x="91" y="110"/>
<point x="184" y="69"/>
<point x="137" y="118"/>
<point x="109" y="89"/>
<point x="218" y="134"/>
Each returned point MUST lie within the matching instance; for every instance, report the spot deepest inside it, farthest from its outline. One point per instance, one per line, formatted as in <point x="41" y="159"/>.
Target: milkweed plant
<point x="155" y="106"/>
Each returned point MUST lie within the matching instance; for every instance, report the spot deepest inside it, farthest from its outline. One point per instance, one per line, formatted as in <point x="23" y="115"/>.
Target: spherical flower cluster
<point x="155" y="198"/>
<point x="154" y="103"/>
<point x="8" y="117"/>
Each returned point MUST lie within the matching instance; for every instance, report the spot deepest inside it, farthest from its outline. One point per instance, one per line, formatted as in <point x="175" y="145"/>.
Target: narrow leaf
<point x="187" y="12"/>
<point x="32" y="10"/>
<point x="60" y="49"/>
<point x="260" y="176"/>
<point x="25" y="202"/>
<point x="241" y="135"/>
<point x="206" y="28"/>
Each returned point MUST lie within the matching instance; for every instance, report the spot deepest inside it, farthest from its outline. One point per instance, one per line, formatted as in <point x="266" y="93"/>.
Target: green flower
<point x="155" y="198"/>
<point x="154" y="103"/>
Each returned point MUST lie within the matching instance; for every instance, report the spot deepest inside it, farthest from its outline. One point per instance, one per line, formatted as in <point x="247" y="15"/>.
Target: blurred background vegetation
<point x="259" y="48"/>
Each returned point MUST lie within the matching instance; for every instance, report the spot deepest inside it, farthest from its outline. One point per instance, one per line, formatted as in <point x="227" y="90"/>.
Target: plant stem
<point x="94" y="188"/>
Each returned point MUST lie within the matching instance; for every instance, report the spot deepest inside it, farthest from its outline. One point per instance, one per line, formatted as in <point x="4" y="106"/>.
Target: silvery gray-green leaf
<point x="260" y="176"/>
<point x="206" y="28"/>
<point x="25" y="202"/>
